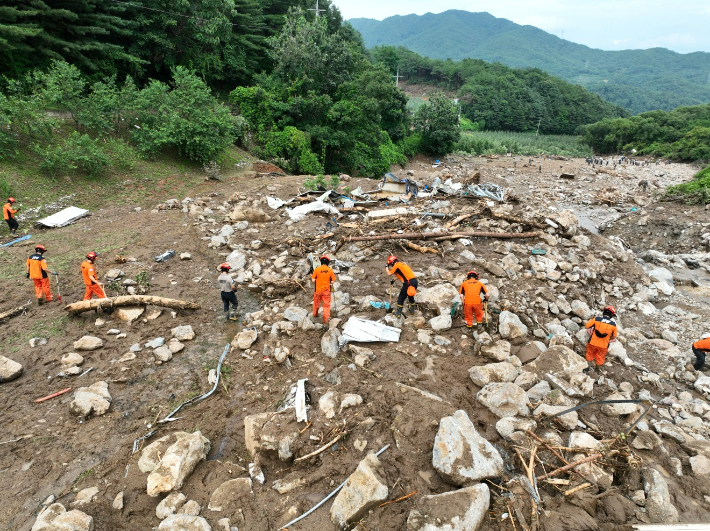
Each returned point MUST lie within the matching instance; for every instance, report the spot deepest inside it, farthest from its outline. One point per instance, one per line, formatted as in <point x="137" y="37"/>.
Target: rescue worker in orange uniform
<point x="8" y="214"/>
<point x="322" y="277"/>
<point x="91" y="277"/>
<point x="409" y="283"/>
<point x="602" y="331"/>
<point x="700" y="349"/>
<point x="473" y="293"/>
<point x="38" y="271"/>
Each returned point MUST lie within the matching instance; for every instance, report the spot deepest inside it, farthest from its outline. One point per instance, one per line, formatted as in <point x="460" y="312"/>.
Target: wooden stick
<point x="556" y="454"/>
<point x="420" y="248"/>
<point x="571" y="465"/>
<point x="13" y="312"/>
<point x="52" y="396"/>
<point x="458" y="220"/>
<point x="398" y="499"/>
<point x="578" y="488"/>
<point x="322" y="449"/>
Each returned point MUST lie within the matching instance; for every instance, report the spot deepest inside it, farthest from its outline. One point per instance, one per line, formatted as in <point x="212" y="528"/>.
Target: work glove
<point x="54" y="272"/>
<point x="28" y="275"/>
<point x="391" y="281"/>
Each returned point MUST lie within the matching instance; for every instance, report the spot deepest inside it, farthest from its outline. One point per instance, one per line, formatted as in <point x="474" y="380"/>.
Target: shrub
<point x="78" y="153"/>
<point x="696" y="191"/>
<point x="291" y="148"/>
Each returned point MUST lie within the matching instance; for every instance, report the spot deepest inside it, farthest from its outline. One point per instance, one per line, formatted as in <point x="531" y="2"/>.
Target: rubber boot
<point x="412" y="308"/>
<point x="40" y="302"/>
<point x="398" y="311"/>
<point x="232" y="316"/>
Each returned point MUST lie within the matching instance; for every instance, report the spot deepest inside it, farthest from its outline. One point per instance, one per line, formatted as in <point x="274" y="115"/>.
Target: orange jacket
<point x="323" y="276"/>
<point x="87" y="271"/>
<point x="603" y="331"/>
<point x="471" y="290"/>
<point x="702" y="344"/>
<point x="8" y="212"/>
<point x="37" y="266"/>
<point x="403" y="272"/>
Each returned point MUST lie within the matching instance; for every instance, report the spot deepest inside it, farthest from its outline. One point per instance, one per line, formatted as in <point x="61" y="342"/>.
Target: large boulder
<point x="236" y="260"/>
<point x="229" y="495"/>
<point x="183" y="333"/>
<point x="329" y="343"/>
<point x="493" y="372"/>
<point x="558" y="359"/>
<point x="295" y="314"/>
<point x="364" y="489"/>
<point x="245" y="339"/>
<point x="9" y="369"/>
<point x="57" y="518"/>
<point x="441" y="322"/>
<point x="567" y="221"/>
<point x="568" y="420"/>
<point x="440" y="297"/>
<point x="499" y="350"/>
<point x="461" y="456"/>
<point x="581" y="309"/>
<point x="184" y="522"/>
<point x="129" y="313"/>
<point x="94" y="399"/>
<point x="88" y="343"/>
<point x="658" y="499"/>
<point x="179" y="461"/>
<point x="250" y="214"/>
<point x="504" y="399"/>
<point x="460" y="510"/>
<point x="510" y="326"/>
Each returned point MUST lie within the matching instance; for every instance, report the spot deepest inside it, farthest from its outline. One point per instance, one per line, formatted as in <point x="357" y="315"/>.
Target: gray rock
<point x="671" y="336"/>
<point x="295" y="314"/>
<point x="179" y="461"/>
<point x="658" y="500"/>
<point x="667" y="429"/>
<point x="175" y="346"/>
<point x="700" y="465"/>
<point x="527" y="380"/>
<point x="155" y="343"/>
<point x="460" y="510"/>
<point x="581" y="309"/>
<point x="510" y="326"/>
<point x="441" y="322"/>
<point x="508" y="425"/>
<point x="183" y="333"/>
<point x="440" y="297"/>
<point x="85" y="496"/>
<point x="461" y="456"/>
<point x="618" y="409"/>
<point x="184" y="522"/>
<point x="498" y="350"/>
<point x="328" y="404"/>
<point x="363" y="490"/>
<point x="231" y="495"/>
<point x="94" y="399"/>
<point x="581" y="439"/>
<point x="57" y="518"/>
<point x="170" y="505"/>
<point x="568" y="420"/>
<point x="118" y="501"/>
<point x="493" y="372"/>
<point x="504" y="399"/>
<point x="237" y="260"/>
<point x="559" y="359"/>
<point x="245" y="339"/>
<point x="9" y="369"/>
<point x="191" y="508"/>
<point x="38" y="342"/>
<point x="163" y="354"/>
<point x="329" y="343"/>
<point x="129" y="313"/>
<point x="88" y="343"/>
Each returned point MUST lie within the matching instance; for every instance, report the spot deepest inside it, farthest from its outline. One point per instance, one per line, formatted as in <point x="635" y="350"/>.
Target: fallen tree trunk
<point x="13" y="312"/>
<point x="437" y="236"/>
<point x="129" y="300"/>
<point x="419" y="248"/>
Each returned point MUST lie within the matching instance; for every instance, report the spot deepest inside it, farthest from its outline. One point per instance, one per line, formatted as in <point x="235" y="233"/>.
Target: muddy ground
<point x="59" y="455"/>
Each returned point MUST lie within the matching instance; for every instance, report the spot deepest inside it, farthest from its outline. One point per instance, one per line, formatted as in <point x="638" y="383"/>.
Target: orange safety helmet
<point x="41" y="248"/>
<point x="11" y="200"/>
<point x="324" y="259"/>
<point x="92" y="255"/>
<point x="611" y="310"/>
<point x="471" y="274"/>
<point x="391" y="260"/>
<point x="224" y="266"/>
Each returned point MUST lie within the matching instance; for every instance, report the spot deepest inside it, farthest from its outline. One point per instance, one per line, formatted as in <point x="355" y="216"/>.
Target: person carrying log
<point x="323" y="276"/>
<point x="8" y="214"/>
<point x="228" y="290"/>
<point x="700" y="349"/>
<point x="38" y="271"/>
<point x="473" y="293"/>
<point x="602" y="331"/>
<point x="409" y="283"/>
<point x="90" y="275"/>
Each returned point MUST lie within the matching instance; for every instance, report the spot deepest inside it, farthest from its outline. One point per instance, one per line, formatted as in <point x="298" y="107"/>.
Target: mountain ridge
<point x="640" y="80"/>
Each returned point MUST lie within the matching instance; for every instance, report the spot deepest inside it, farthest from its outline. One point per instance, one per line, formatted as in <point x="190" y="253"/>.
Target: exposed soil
<point x="60" y="455"/>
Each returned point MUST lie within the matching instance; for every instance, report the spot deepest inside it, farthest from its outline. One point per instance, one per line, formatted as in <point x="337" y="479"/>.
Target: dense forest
<point x="500" y="98"/>
<point x="638" y="80"/>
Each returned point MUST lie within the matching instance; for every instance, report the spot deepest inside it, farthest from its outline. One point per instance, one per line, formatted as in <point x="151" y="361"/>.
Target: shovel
<point x="485" y="313"/>
<point x="389" y="305"/>
<point x="59" y="291"/>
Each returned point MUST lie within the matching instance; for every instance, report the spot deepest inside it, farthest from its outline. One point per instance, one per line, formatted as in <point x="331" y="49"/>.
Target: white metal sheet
<point x="64" y="217"/>
<point x="364" y="331"/>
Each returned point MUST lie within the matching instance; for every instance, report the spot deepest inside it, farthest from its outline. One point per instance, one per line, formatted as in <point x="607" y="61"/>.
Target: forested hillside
<point x="638" y="80"/>
<point x="499" y="98"/>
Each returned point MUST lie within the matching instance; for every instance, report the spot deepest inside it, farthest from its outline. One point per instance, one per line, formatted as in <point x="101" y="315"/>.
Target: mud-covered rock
<point x="504" y="399"/>
<point x="179" y="461"/>
<point x="568" y="420"/>
<point x="9" y="369"/>
<point x="183" y="333"/>
<point x="230" y="495"/>
<point x="364" y="489"/>
<point x="440" y="297"/>
<point x="510" y="326"/>
<point x="57" y="518"/>
<point x="499" y="350"/>
<point x="460" y="510"/>
<point x="184" y="522"/>
<point x="329" y="343"/>
<point x="170" y="505"/>
<point x="658" y="499"/>
<point x="493" y="372"/>
<point x="128" y="313"/>
<point x="245" y="339"/>
<point x="94" y="399"/>
<point x="88" y="343"/>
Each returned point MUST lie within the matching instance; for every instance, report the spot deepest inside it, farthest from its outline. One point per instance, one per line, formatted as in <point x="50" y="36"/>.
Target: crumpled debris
<point x="299" y="213"/>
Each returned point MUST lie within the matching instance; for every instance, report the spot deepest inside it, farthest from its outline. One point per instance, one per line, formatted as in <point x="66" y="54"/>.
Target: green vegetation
<point x="497" y="98"/>
<point x="437" y="123"/>
<point x="696" y="191"/>
<point x="638" y="80"/>
<point x="502" y="142"/>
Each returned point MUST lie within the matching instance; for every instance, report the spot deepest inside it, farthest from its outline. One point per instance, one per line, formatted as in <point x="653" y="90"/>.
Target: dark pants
<point x="227" y="297"/>
<point x="700" y="361"/>
<point x="403" y="292"/>
<point x="12" y="223"/>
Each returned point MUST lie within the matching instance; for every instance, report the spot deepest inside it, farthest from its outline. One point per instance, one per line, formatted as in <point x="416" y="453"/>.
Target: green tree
<point x="438" y="124"/>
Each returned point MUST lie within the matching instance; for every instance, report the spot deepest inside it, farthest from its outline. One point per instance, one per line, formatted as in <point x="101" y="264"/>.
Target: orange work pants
<point x="324" y="297"/>
<point x="469" y="310"/>
<point x="596" y="354"/>
<point x="42" y="285"/>
<point x="94" y="289"/>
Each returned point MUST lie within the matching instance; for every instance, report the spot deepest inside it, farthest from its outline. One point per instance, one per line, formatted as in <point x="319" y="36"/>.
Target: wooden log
<point x="458" y="220"/>
<point x="437" y="236"/>
<point x="13" y="312"/>
<point x="129" y="300"/>
<point x="420" y="248"/>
